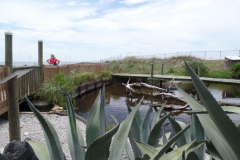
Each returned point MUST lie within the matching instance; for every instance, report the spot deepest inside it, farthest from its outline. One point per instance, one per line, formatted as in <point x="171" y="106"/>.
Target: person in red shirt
<point x="53" y="60"/>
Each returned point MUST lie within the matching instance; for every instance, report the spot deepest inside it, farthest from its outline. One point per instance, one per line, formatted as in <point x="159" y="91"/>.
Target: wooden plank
<point x="3" y="104"/>
<point x="3" y="110"/>
<point x="1" y="87"/>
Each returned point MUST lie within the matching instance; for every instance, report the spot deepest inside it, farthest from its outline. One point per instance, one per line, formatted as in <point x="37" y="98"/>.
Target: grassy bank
<point x="171" y="66"/>
<point x="55" y="90"/>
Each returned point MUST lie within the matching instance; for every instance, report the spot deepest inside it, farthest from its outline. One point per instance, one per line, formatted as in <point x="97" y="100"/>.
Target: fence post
<point x="205" y="55"/>
<point x="220" y="55"/>
<point x="151" y="70"/>
<point x="8" y="50"/>
<point x="40" y="59"/>
<point x="13" y="109"/>
<point x="161" y="74"/>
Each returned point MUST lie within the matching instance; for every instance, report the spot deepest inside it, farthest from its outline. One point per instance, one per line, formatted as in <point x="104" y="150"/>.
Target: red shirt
<point x="53" y="60"/>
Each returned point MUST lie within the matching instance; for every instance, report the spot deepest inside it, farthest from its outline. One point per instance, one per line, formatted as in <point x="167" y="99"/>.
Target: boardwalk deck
<point x="180" y="78"/>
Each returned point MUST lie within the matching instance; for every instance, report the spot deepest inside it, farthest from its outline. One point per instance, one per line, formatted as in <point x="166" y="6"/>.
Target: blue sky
<point x="93" y="30"/>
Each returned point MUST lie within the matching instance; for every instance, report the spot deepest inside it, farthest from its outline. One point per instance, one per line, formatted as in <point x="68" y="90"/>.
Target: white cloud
<point x="131" y="2"/>
<point x="72" y="3"/>
<point x="94" y="31"/>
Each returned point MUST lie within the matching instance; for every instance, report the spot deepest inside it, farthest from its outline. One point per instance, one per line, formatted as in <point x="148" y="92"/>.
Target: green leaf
<point x="167" y="136"/>
<point x="2" y="157"/>
<point x="168" y="145"/>
<point x="119" y="139"/>
<point x="156" y="117"/>
<point x="238" y="126"/>
<point x="145" y="125"/>
<point x="181" y="141"/>
<point x="218" y="140"/>
<point x="186" y="134"/>
<point x="70" y="141"/>
<point x="212" y="151"/>
<point x="153" y="137"/>
<point x="174" y="155"/>
<point x="146" y="149"/>
<point x="102" y="114"/>
<point x="192" y="156"/>
<point x="115" y="119"/>
<point x="99" y="149"/>
<point x="134" y="133"/>
<point x="53" y="142"/>
<point x="145" y="157"/>
<point x="226" y="127"/>
<point x="195" y="146"/>
<point x="72" y="133"/>
<point x="198" y="134"/>
<point x="40" y="149"/>
<point x="227" y="109"/>
<point x="92" y="128"/>
<point x="128" y="151"/>
<point x="164" y="137"/>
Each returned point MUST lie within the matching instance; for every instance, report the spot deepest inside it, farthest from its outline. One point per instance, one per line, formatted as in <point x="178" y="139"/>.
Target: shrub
<point x="203" y="68"/>
<point x="236" y="70"/>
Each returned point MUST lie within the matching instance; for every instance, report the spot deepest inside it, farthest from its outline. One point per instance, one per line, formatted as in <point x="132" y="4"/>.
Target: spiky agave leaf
<point x="218" y="140"/>
<point x="135" y="133"/>
<point x="92" y="127"/>
<point x="198" y="134"/>
<point x="154" y="135"/>
<point x="226" y="127"/>
<point x="145" y="125"/>
<point x="74" y="135"/>
<point x="99" y="149"/>
<point x="40" y="149"/>
<point x="120" y="138"/>
<point x="53" y="142"/>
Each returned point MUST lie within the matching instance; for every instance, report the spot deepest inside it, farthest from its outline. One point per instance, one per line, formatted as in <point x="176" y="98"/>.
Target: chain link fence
<point x="205" y="55"/>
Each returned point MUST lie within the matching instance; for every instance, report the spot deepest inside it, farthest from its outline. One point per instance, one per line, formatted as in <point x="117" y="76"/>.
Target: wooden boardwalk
<point x="177" y="78"/>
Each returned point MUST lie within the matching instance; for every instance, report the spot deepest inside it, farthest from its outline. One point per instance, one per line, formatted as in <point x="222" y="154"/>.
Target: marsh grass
<point x="172" y="66"/>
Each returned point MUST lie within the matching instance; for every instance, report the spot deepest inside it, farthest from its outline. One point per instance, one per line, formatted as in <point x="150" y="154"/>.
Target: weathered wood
<point x="13" y="110"/>
<point x="8" y="50"/>
<point x="40" y="60"/>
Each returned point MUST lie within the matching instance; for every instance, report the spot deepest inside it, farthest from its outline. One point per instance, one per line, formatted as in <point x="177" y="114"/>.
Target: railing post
<point x="40" y="59"/>
<point x="13" y="110"/>
<point x="8" y="50"/>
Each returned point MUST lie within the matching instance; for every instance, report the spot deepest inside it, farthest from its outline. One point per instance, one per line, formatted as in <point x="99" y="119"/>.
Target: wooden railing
<point x="26" y="84"/>
<point x="4" y="72"/>
<point x="29" y="82"/>
<point x="50" y="71"/>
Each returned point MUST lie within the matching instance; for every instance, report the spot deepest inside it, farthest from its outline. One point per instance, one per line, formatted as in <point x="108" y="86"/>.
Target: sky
<point x="90" y="30"/>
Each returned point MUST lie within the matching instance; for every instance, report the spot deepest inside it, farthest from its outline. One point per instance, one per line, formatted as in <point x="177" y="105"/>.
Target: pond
<point x="116" y="98"/>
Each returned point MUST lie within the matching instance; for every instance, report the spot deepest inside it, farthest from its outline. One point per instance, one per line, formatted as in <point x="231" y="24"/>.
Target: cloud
<point x="131" y="2"/>
<point x="101" y="31"/>
<point x="72" y="3"/>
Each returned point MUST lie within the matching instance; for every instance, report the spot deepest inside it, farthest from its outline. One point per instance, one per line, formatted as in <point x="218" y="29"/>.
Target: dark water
<point x="116" y="97"/>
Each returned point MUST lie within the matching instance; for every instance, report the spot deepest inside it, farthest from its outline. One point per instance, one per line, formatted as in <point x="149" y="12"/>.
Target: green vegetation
<point x="236" y="70"/>
<point x="55" y="90"/>
<point x="172" y="66"/>
<point x="144" y="144"/>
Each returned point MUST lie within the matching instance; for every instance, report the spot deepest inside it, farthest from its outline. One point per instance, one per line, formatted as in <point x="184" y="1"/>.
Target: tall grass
<point x="55" y="91"/>
<point x="172" y="66"/>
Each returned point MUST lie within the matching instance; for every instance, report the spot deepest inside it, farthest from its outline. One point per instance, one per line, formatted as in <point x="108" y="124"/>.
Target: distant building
<point x="231" y="60"/>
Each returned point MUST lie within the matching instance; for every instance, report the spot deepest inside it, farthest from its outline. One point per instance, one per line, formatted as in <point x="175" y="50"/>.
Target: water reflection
<point x="116" y="97"/>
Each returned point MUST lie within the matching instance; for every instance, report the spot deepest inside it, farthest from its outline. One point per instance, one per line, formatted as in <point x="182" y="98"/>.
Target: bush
<point x="220" y="74"/>
<point x="194" y="65"/>
<point x="236" y="70"/>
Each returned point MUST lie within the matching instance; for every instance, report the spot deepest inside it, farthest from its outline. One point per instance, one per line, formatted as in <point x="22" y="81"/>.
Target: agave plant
<point x="224" y="134"/>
